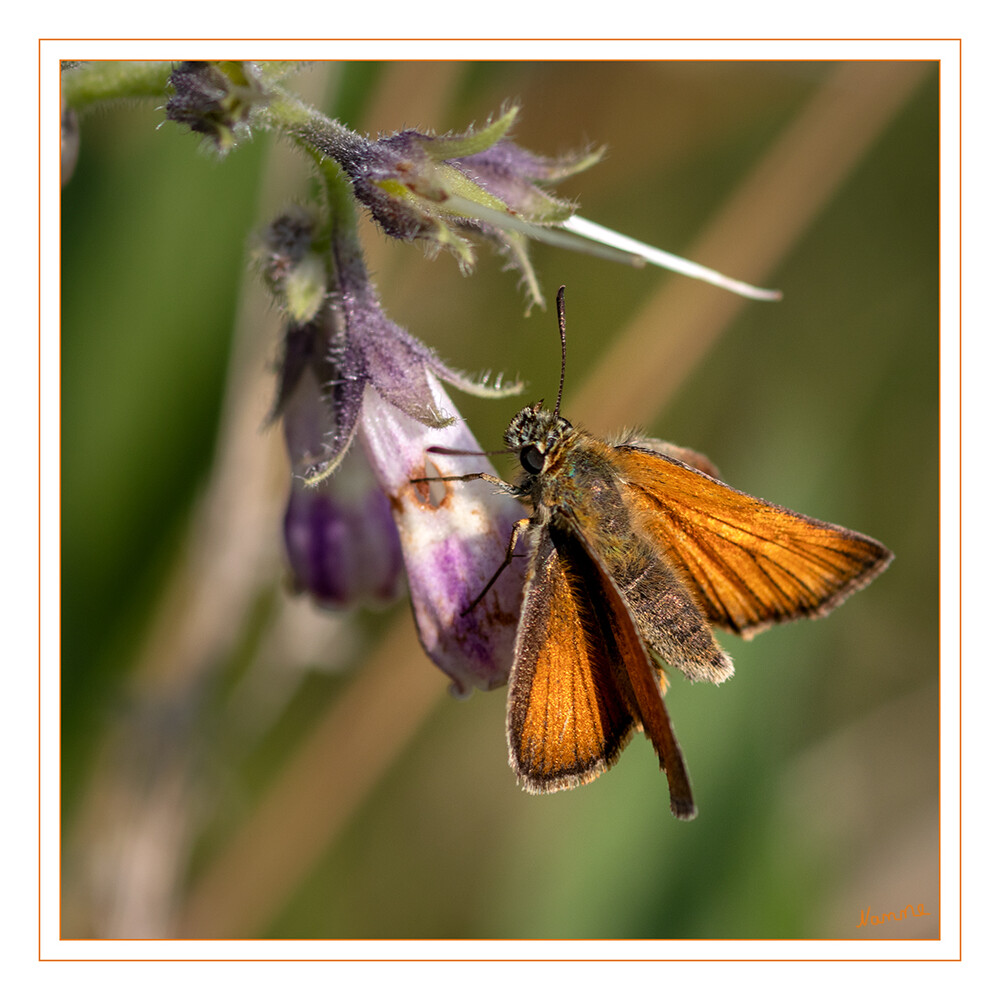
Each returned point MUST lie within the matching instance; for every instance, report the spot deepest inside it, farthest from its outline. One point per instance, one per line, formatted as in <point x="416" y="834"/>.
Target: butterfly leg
<point x="519" y="529"/>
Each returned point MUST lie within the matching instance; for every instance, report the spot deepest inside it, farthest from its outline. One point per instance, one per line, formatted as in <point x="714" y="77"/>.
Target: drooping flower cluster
<point x="361" y="401"/>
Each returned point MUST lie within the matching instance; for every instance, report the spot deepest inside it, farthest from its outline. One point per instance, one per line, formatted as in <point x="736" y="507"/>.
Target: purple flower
<point x="354" y="385"/>
<point x="454" y="537"/>
<point x="342" y="543"/>
<point x="438" y="189"/>
<point x="443" y="189"/>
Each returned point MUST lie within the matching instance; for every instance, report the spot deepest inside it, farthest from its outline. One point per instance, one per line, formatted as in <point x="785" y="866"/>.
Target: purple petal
<point x="342" y="543"/>
<point x="454" y="536"/>
<point x="319" y="398"/>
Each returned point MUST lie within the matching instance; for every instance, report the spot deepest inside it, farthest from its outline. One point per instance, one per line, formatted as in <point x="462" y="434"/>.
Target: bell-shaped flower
<point x="355" y="384"/>
<point x="454" y="537"/>
<point x="442" y="189"/>
<point x="340" y="537"/>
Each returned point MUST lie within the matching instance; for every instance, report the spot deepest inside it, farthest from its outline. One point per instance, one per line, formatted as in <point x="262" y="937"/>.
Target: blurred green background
<point x="233" y="764"/>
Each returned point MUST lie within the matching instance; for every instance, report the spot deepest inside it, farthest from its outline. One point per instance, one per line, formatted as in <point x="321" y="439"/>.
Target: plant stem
<point x="313" y="131"/>
<point x="104" y="81"/>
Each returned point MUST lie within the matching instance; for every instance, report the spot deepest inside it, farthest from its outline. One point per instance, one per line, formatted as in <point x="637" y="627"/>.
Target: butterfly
<point x="635" y="551"/>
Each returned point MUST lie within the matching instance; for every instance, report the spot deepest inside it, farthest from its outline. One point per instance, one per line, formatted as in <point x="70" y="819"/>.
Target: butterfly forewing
<point x="749" y="563"/>
<point x="567" y="718"/>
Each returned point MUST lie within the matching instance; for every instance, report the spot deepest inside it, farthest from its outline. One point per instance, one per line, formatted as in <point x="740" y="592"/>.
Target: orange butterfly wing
<point x="750" y="564"/>
<point x="566" y="718"/>
<point x="643" y="685"/>
<point x="582" y="677"/>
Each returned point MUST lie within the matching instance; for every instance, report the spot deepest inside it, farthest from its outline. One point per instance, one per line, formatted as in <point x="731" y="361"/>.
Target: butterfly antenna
<point x="561" y="313"/>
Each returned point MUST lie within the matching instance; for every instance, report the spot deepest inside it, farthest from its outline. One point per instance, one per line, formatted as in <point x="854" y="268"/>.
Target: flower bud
<point x="215" y="99"/>
<point x="293" y="268"/>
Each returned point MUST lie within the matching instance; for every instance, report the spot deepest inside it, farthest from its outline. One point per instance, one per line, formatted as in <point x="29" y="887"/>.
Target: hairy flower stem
<point x="105" y="81"/>
<point x="320" y="136"/>
<point x="325" y="141"/>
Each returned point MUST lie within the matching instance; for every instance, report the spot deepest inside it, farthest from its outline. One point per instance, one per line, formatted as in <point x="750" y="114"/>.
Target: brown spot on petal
<point x="431" y="492"/>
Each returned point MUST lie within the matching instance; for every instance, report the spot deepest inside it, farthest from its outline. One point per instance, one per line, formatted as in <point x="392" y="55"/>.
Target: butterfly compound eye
<point x="532" y="459"/>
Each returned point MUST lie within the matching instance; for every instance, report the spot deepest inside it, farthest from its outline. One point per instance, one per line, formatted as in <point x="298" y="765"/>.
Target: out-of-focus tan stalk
<point x="749" y="236"/>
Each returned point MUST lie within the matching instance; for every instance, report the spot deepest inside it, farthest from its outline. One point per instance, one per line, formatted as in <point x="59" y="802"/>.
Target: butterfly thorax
<point x="569" y="474"/>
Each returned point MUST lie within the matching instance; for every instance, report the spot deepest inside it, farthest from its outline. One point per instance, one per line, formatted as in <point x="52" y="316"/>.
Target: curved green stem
<point x="105" y="81"/>
<point x="328" y="144"/>
<point x="311" y="129"/>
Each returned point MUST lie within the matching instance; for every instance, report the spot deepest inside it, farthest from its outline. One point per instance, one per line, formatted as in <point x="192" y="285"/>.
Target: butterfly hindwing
<point x="641" y="683"/>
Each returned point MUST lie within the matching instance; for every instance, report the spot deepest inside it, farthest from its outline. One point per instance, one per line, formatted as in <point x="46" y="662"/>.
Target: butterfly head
<point x="534" y="434"/>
